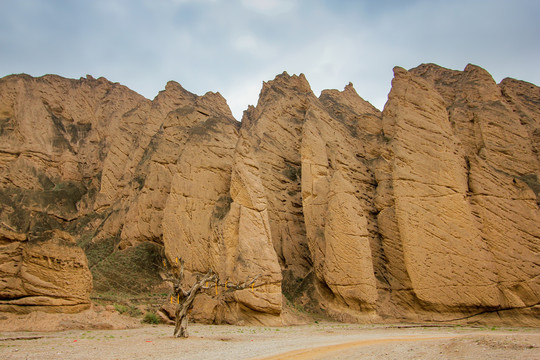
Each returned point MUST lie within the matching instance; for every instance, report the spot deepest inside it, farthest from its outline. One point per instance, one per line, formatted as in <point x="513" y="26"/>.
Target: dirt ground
<point x="316" y="341"/>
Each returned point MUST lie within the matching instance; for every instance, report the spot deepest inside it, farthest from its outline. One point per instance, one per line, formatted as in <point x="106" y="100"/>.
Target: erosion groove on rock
<point x="426" y="211"/>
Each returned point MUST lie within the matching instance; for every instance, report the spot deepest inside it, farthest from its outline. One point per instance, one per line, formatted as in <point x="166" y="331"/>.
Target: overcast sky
<point x="231" y="46"/>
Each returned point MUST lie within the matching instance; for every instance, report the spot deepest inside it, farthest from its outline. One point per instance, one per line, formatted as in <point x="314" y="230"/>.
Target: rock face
<point x="50" y="275"/>
<point x="52" y="147"/>
<point x="426" y="211"/>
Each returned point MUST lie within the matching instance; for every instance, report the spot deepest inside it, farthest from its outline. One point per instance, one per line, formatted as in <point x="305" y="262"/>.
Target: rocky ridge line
<point x="426" y="211"/>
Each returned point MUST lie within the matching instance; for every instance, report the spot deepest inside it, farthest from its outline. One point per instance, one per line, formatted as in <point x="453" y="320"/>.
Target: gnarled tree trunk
<point x="181" y="313"/>
<point x="185" y="298"/>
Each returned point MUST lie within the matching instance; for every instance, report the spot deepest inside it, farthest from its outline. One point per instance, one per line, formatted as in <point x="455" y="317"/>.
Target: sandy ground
<point x="317" y="341"/>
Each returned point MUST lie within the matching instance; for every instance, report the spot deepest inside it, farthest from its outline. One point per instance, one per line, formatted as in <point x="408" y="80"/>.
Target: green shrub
<point x="151" y="318"/>
<point x="121" y="308"/>
<point x="128" y="310"/>
<point x="134" y="270"/>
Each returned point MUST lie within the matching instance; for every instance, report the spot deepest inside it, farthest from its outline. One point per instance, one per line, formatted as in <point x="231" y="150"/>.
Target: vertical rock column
<point x="498" y="128"/>
<point x="335" y="213"/>
<point x="445" y="257"/>
<point x="247" y="240"/>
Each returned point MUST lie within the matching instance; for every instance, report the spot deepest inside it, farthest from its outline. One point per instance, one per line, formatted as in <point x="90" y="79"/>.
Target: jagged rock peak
<point x="283" y="91"/>
<point x="431" y="70"/>
<point x="217" y="101"/>
<point x="176" y="95"/>
<point x="248" y="114"/>
<point x="173" y="88"/>
<point x="53" y="78"/>
<point x="478" y="82"/>
<point x="350" y="98"/>
<point x="284" y="81"/>
<point x="480" y="72"/>
<point x="483" y="79"/>
<point x="520" y="83"/>
<point x="399" y="71"/>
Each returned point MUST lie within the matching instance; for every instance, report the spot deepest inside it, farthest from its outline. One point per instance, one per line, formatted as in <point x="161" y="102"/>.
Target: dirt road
<point x="317" y="341"/>
<point x="332" y="350"/>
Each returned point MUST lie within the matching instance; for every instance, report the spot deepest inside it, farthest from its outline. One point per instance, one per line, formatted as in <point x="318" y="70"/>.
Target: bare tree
<point x="185" y="298"/>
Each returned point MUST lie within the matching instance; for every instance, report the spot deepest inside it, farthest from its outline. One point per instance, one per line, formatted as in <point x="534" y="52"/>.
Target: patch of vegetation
<point x="294" y="305"/>
<point x="105" y="298"/>
<point x="293" y="192"/>
<point x="120" y="308"/>
<point x="292" y="173"/>
<point x="150" y="150"/>
<point x="139" y="180"/>
<point x="78" y="226"/>
<point x="532" y="182"/>
<point x="59" y="141"/>
<point x="64" y="196"/>
<point x="384" y="138"/>
<point x="151" y="318"/>
<point x="44" y="180"/>
<point x="7" y="126"/>
<point x="98" y="251"/>
<point x="78" y="131"/>
<point x="133" y="271"/>
<point x="128" y="310"/>
<point x="222" y="207"/>
<point x="203" y="129"/>
<point x="36" y="212"/>
<point x="294" y="289"/>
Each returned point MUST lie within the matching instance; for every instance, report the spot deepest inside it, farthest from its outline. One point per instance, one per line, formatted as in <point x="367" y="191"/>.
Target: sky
<point x="232" y="46"/>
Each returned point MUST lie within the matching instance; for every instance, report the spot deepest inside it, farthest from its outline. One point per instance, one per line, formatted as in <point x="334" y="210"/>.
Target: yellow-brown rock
<point x="427" y="211"/>
<point x="54" y="135"/>
<point x="434" y="217"/>
<point x="49" y="275"/>
<point x="336" y="192"/>
<point x="503" y="170"/>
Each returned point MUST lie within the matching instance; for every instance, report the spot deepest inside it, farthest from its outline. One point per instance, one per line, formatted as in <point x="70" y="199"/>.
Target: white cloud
<point x="253" y="46"/>
<point x="231" y="46"/>
<point x="270" y="7"/>
<point x="246" y="42"/>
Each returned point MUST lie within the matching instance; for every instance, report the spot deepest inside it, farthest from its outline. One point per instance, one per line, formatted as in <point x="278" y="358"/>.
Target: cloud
<point x="270" y="7"/>
<point x="231" y="46"/>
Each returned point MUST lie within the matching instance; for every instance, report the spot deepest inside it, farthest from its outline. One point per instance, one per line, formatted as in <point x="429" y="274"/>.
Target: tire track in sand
<point x="311" y="353"/>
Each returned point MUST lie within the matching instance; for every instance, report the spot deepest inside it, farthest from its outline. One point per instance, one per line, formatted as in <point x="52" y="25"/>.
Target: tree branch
<point x="185" y="299"/>
<point x="233" y="287"/>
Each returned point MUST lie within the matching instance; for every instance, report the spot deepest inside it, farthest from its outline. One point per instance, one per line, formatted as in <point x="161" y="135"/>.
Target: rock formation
<point x="426" y="211"/>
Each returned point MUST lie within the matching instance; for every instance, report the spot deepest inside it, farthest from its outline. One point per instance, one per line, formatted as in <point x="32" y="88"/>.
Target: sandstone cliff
<point x="426" y="211"/>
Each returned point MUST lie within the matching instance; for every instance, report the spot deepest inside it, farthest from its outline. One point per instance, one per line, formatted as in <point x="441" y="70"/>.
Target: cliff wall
<point x="426" y="211"/>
